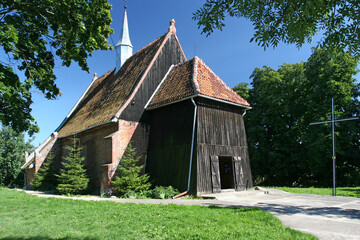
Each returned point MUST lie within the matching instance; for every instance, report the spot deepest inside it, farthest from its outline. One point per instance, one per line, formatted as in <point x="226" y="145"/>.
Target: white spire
<point x="124" y="47"/>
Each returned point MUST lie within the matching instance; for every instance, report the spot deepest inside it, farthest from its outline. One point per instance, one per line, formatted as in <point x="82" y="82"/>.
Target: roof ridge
<point x="178" y="43"/>
<point x="150" y="43"/>
<point x="195" y="73"/>
<point x="147" y="69"/>
<point x="81" y="99"/>
<point x="105" y="74"/>
<point x="221" y="81"/>
<point x="158" y="87"/>
<point x="182" y="63"/>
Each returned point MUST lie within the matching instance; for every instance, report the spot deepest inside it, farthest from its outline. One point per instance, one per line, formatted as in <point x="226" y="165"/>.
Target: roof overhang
<point x="31" y="157"/>
<point x="29" y="161"/>
<point x="199" y="95"/>
<point x="113" y="120"/>
<point x="224" y="101"/>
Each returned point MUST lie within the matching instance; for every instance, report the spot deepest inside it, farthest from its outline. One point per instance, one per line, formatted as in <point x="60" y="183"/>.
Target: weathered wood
<point x="170" y="54"/>
<point x="238" y="174"/>
<point x="215" y="174"/>
<point x="169" y="146"/>
<point x="221" y="132"/>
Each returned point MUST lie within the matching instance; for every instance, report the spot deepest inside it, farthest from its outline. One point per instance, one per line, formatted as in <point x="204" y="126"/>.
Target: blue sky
<point x="228" y="53"/>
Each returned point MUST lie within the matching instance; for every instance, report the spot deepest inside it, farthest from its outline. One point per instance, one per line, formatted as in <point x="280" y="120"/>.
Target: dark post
<point x="333" y="144"/>
<point x="333" y="121"/>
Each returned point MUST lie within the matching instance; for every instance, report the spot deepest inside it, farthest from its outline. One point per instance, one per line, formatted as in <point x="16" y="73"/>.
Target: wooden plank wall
<point x="170" y="54"/>
<point x="169" y="146"/>
<point x="220" y="132"/>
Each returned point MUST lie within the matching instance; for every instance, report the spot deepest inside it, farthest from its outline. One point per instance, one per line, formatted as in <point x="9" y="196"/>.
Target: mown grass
<point x="340" y="191"/>
<point x="25" y="216"/>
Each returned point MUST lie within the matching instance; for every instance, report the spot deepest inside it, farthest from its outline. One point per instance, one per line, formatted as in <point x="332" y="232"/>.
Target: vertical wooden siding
<point x="170" y="54"/>
<point x="169" y="146"/>
<point x="220" y="132"/>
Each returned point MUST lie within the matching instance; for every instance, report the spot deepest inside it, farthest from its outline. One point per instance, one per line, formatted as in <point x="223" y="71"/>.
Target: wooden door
<point x="238" y="174"/>
<point x="215" y="174"/>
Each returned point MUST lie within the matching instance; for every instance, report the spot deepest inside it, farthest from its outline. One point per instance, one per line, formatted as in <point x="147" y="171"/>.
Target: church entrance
<point x="226" y="172"/>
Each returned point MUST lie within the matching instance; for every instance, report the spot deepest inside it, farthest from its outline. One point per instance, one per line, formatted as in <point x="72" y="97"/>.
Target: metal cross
<point x="333" y="121"/>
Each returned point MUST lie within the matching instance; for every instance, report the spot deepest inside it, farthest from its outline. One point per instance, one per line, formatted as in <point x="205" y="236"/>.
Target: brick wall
<point x="96" y="150"/>
<point x="40" y="155"/>
<point x="129" y="132"/>
<point x="103" y="147"/>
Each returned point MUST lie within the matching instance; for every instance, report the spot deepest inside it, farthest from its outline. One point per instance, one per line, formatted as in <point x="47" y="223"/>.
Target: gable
<point x="170" y="54"/>
<point x="108" y="93"/>
<point x="209" y="84"/>
<point x="191" y="79"/>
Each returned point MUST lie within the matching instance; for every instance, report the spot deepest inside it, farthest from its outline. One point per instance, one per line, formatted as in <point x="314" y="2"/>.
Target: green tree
<point x="330" y="74"/>
<point x="12" y="150"/>
<point x="284" y="149"/>
<point x="130" y="178"/>
<point x="291" y="22"/>
<point x="45" y="178"/>
<point x="73" y="178"/>
<point x="242" y="89"/>
<point x="32" y="33"/>
<point x="274" y="122"/>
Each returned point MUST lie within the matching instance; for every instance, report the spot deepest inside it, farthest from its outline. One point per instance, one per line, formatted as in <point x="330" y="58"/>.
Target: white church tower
<point x="124" y="48"/>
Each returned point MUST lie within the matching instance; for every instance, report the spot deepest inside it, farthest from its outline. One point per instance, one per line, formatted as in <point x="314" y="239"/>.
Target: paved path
<point x="326" y="217"/>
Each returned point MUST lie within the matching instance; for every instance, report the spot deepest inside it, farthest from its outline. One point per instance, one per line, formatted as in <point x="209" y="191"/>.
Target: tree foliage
<point x="73" y="178"/>
<point x="12" y="150"/>
<point x="130" y="178"/>
<point x="32" y="34"/>
<point x="45" y="178"/>
<point x="291" y="22"/>
<point x="242" y="89"/>
<point x="284" y="149"/>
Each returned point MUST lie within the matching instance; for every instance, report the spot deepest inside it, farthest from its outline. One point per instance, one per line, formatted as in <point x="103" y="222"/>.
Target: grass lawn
<point x="24" y="216"/>
<point x="341" y="191"/>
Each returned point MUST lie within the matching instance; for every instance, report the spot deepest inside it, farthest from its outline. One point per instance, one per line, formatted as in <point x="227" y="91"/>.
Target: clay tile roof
<point x="193" y="78"/>
<point x="177" y="85"/>
<point x="109" y="92"/>
<point x="211" y="85"/>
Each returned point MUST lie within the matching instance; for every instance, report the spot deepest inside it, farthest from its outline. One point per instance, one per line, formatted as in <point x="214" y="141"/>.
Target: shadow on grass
<point x="352" y="191"/>
<point x="349" y="189"/>
<point x="214" y="205"/>
<point x="48" y="238"/>
<point x="236" y="207"/>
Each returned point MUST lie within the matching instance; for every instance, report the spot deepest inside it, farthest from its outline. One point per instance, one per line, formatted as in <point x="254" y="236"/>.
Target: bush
<point x="162" y="192"/>
<point x="46" y="179"/>
<point x="139" y="195"/>
<point x="130" y="178"/>
<point x="72" y="178"/>
<point x="159" y="192"/>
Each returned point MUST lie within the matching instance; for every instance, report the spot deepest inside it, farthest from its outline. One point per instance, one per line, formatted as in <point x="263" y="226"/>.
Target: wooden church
<point x="183" y="120"/>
